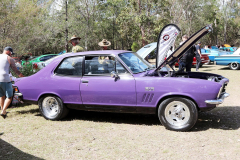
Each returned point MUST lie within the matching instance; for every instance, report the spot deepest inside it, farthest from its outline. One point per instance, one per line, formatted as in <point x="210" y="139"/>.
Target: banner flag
<point x="166" y="39"/>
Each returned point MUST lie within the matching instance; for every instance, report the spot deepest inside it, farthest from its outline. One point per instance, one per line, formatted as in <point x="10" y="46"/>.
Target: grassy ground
<point x="25" y="134"/>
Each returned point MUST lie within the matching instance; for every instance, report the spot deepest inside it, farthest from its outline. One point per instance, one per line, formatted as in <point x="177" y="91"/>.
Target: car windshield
<point x="135" y="62"/>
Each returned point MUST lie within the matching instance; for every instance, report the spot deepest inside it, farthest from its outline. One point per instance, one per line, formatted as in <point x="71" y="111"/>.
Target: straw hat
<point x="104" y="43"/>
<point x="74" y="37"/>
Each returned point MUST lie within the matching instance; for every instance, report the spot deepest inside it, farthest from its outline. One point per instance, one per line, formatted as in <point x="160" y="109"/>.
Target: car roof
<point x="100" y="52"/>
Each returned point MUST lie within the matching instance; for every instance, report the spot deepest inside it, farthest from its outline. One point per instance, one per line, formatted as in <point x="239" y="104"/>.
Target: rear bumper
<point x="219" y="100"/>
<point x="18" y="94"/>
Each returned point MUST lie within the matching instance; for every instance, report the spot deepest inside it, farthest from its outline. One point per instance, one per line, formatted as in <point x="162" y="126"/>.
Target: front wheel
<point x="178" y="114"/>
<point x="234" y="66"/>
<point x="52" y="108"/>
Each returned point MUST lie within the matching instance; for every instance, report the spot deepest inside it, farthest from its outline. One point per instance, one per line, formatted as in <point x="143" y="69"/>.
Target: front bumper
<point x="219" y="100"/>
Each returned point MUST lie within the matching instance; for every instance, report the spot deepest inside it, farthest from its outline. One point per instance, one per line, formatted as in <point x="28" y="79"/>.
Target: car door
<point x="100" y="90"/>
<point x="66" y="80"/>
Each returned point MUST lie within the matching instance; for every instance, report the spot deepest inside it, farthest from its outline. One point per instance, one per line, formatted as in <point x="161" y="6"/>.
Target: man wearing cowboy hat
<point x="104" y="44"/>
<point x="74" y="41"/>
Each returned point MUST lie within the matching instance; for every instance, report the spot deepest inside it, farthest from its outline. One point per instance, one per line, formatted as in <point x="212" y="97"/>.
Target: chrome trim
<point x="219" y="100"/>
<point x="17" y="94"/>
<point x="220" y="91"/>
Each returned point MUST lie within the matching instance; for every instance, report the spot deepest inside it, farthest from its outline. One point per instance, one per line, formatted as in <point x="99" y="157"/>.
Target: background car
<point x="231" y="50"/>
<point x="232" y="60"/>
<point x="41" y="58"/>
<point x="212" y="53"/>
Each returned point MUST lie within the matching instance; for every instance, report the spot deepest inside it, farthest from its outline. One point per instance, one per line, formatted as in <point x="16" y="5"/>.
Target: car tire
<point x="178" y="114"/>
<point x="52" y="108"/>
<point x="234" y="66"/>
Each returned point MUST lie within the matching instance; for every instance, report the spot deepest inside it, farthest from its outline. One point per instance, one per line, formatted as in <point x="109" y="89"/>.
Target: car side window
<point x="99" y="65"/>
<point x="71" y="66"/>
<point x="120" y="69"/>
<point x="102" y="65"/>
<point x="42" y="58"/>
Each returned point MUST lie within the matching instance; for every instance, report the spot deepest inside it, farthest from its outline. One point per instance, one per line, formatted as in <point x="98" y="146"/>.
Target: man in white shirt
<point x="6" y="90"/>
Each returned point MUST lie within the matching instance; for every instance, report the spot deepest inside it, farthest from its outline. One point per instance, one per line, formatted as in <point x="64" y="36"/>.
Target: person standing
<point x="198" y="56"/>
<point x="104" y="60"/>
<point x="75" y="41"/>
<point x="6" y="90"/>
<point x="104" y="44"/>
<point x="187" y="58"/>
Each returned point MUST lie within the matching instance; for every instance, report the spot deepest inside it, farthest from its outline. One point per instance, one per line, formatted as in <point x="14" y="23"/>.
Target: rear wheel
<point x="234" y="66"/>
<point x="52" y="108"/>
<point x="178" y="114"/>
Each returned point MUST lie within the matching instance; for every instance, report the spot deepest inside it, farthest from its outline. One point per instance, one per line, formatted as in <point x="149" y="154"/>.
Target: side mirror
<point x="115" y="75"/>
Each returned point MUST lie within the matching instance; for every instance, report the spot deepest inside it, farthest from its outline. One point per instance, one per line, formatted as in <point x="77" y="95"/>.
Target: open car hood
<point x="183" y="48"/>
<point x="146" y="50"/>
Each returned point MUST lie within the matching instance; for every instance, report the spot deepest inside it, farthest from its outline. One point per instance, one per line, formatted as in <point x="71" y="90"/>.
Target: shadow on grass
<point x="32" y="111"/>
<point x="25" y="110"/>
<point x="127" y="118"/>
<point x="8" y="151"/>
<point x="225" y="118"/>
<point x="225" y="68"/>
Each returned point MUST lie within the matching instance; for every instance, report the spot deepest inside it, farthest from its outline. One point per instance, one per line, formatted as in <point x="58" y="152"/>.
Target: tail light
<point x="15" y="88"/>
<point x="35" y="66"/>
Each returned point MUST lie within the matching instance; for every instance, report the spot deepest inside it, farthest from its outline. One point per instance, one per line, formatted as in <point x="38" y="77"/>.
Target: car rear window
<point x="71" y="66"/>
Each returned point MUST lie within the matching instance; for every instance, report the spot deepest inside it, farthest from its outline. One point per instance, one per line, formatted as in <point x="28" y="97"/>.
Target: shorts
<point x="6" y="89"/>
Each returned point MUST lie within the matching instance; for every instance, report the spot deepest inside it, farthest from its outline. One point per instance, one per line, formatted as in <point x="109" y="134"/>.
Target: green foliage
<point x="38" y="27"/>
<point x="135" y="47"/>
<point x="26" y="70"/>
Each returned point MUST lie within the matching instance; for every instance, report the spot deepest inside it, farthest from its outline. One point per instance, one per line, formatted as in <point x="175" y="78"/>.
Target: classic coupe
<point x="122" y="81"/>
<point x="232" y="60"/>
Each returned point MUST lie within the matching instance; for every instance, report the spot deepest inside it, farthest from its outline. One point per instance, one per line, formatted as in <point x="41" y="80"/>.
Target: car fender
<point x="48" y="93"/>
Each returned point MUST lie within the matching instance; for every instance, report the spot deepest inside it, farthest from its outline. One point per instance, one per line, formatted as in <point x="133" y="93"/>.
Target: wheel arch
<point x="170" y="96"/>
<point x="50" y="94"/>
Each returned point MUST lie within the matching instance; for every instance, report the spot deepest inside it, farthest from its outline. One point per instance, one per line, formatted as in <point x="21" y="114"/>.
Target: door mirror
<point x="115" y="75"/>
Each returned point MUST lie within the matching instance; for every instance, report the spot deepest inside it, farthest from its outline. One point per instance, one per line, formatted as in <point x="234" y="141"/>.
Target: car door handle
<point x="84" y="81"/>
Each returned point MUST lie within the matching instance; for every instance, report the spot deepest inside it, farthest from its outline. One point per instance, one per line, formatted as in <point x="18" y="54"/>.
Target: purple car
<point x="122" y="81"/>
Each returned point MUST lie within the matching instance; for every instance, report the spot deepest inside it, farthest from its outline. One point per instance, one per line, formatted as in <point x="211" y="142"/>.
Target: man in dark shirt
<point x="198" y="56"/>
<point x="187" y="58"/>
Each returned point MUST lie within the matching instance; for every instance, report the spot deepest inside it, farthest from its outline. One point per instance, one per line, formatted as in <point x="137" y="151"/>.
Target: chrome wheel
<point x="50" y="107"/>
<point x="234" y="66"/>
<point x="177" y="113"/>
